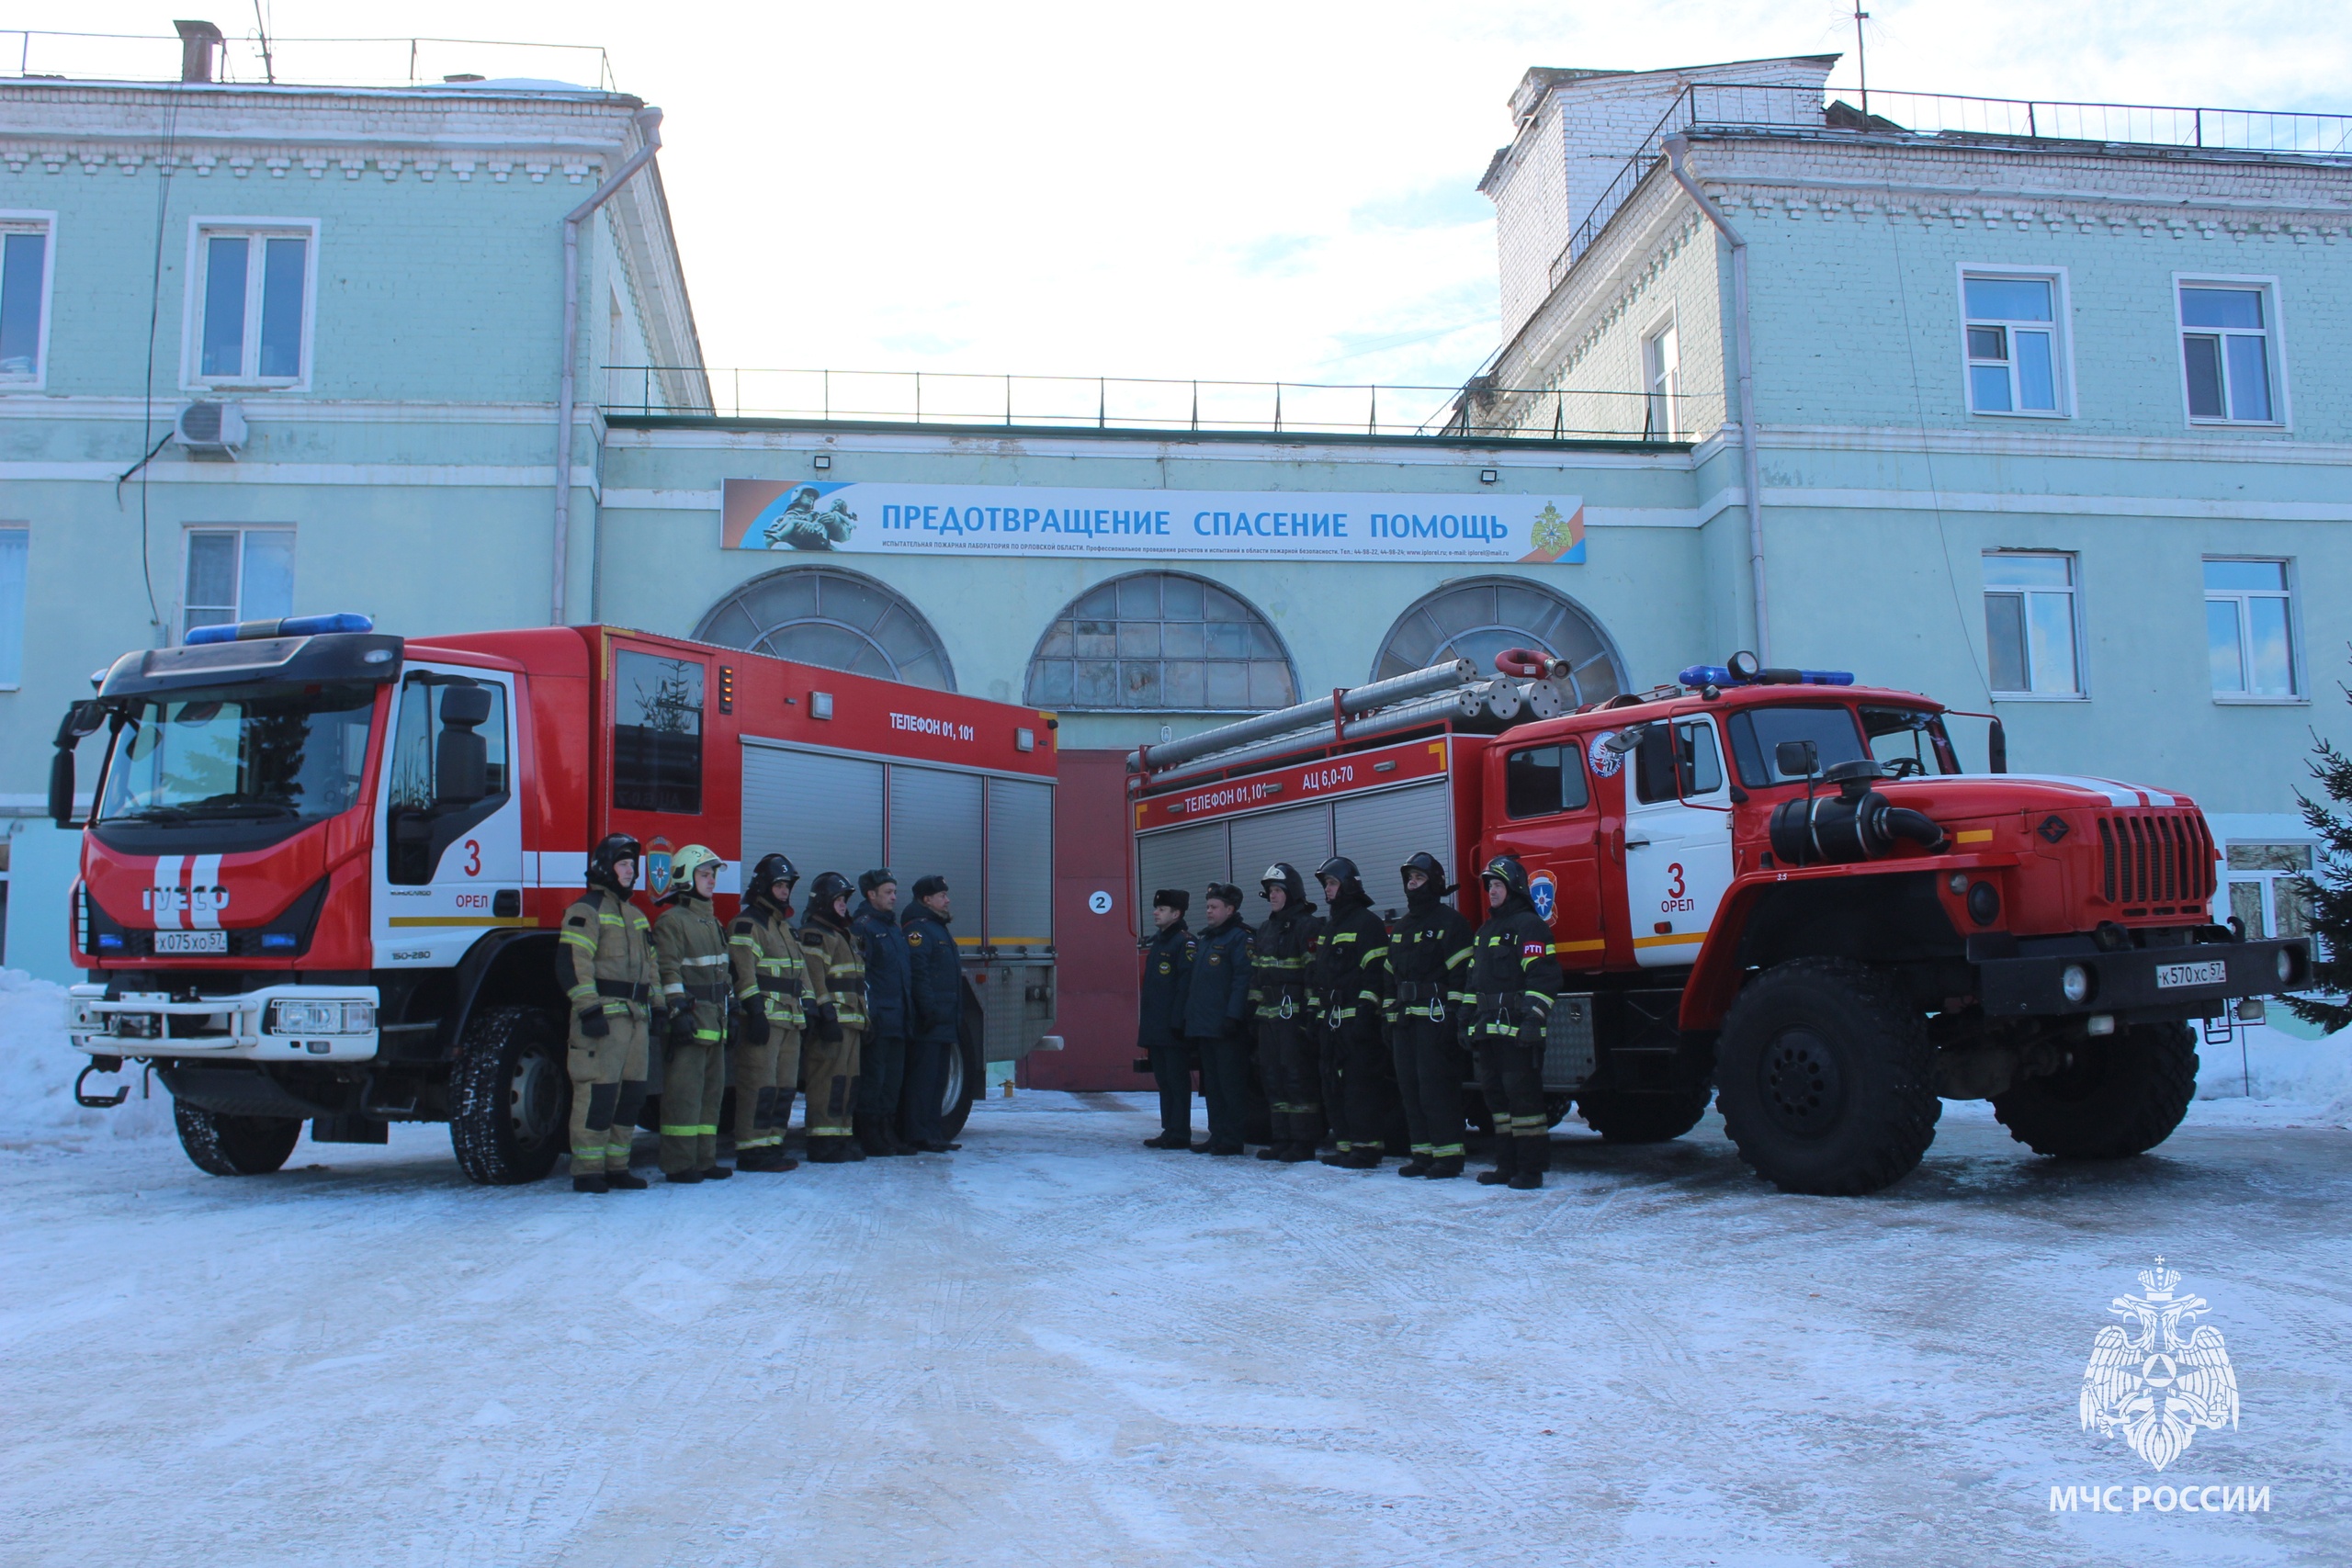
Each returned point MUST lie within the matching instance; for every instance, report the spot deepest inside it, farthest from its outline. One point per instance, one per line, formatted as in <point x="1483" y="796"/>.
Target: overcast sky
<point x="1228" y="189"/>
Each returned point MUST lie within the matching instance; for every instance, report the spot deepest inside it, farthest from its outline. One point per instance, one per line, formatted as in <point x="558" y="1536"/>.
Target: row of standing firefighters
<point x="1351" y="1024"/>
<point x="862" y="1007"/>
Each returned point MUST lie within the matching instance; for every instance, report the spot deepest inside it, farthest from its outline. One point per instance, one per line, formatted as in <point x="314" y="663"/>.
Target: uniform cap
<point x="875" y="878"/>
<point x="1226" y="893"/>
<point x="1175" y="898"/>
<point x="927" y="885"/>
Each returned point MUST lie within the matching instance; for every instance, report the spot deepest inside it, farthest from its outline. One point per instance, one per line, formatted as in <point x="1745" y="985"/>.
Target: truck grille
<point x="2156" y="862"/>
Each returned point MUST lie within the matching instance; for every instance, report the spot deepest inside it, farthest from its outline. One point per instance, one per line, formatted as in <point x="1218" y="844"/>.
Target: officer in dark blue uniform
<point x="1217" y="1019"/>
<point x="882" y="1064"/>
<point x="935" y="988"/>
<point x="1159" y="1021"/>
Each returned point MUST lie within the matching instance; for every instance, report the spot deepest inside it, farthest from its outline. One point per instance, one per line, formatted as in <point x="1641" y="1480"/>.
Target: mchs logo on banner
<point x="849" y="518"/>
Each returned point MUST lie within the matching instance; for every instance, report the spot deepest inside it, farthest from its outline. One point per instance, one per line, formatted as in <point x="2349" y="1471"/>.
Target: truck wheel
<point x="1827" y="1080"/>
<point x="510" y="1102"/>
<point x="966" y="1076"/>
<point x="2122" y="1095"/>
<point x="1642" y="1118"/>
<point x="234" y="1146"/>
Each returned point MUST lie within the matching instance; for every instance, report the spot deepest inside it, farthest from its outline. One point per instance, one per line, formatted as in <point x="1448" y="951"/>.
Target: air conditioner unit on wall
<point x="212" y="430"/>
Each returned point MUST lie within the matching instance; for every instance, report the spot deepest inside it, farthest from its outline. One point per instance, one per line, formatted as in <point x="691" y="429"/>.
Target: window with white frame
<point x="2016" y="357"/>
<point x="24" y="299"/>
<point x="251" y="305"/>
<point x="237" y="574"/>
<point x="2031" y="629"/>
<point x="14" y="540"/>
<point x="2229" y="352"/>
<point x="2266" y="889"/>
<point x="2249" y="631"/>
<point x="1662" y="378"/>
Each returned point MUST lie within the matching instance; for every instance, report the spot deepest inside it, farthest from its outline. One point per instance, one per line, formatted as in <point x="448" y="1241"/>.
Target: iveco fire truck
<point x="1772" y="885"/>
<point x="323" y="867"/>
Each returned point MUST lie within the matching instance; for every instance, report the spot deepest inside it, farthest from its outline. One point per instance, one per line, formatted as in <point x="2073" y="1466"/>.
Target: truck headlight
<point x="2284" y="962"/>
<point x="2075" y="982"/>
<point x="292" y="1015"/>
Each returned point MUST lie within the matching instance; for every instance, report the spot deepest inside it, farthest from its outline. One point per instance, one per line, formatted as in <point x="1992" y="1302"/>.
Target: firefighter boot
<point x="1359" y="1156"/>
<point x="623" y="1181"/>
<point x="1534" y="1159"/>
<point x="1419" y="1164"/>
<point x="1278" y="1132"/>
<point x="594" y="1183"/>
<point x="1506" y="1162"/>
<point x="1443" y="1167"/>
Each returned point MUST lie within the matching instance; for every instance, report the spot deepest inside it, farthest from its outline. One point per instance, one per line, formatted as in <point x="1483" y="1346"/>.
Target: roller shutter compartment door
<point x="1189" y="858"/>
<point x="824" y="812"/>
<point x="1020" y="864"/>
<point x="1381" y="832"/>
<point x="935" y="831"/>
<point x="1300" y="834"/>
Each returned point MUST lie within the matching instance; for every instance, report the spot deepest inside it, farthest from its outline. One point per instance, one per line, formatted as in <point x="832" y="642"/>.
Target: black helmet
<point x="771" y="870"/>
<point x="1285" y="875"/>
<point x="1427" y="864"/>
<point x="829" y="886"/>
<point x="1506" y="869"/>
<point x="1339" y="869"/>
<point x="613" y="849"/>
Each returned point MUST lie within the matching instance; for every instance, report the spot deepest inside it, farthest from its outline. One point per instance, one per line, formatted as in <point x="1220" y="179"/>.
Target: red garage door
<point x="1095" y="954"/>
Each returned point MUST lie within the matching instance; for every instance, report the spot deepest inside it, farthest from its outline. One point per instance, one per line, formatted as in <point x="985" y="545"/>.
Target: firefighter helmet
<point x="771" y="870"/>
<point x="1506" y="869"/>
<point x="1339" y="869"/>
<point x="1285" y="875"/>
<point x="1427" y="864"/>
<point x="685" y="862"/>
<point x="829" y="886"/>
<point x="613" y="849"/>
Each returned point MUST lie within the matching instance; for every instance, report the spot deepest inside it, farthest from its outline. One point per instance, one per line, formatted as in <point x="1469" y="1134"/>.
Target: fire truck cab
<point x="1770" y="888"/>
<point x="324" y="867"/>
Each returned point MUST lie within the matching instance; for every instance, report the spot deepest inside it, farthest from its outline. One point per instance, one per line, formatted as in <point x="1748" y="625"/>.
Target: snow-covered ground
<point x="1057" y="1345"/>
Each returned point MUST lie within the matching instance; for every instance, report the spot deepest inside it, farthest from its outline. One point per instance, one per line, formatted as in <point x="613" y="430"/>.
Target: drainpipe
<point x="648" y="122"/>
<point x="1678" y="148"/>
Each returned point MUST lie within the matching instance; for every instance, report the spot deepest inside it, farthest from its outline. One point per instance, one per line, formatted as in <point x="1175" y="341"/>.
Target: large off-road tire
<point x="1827" y="1078"/>
<point x="235" y="1146"/>
<point x="510" y="1097"/>
<point x="1643" y="1118"/>
<point x="967" y="1074"/>
<point x="2121" y="1094"/>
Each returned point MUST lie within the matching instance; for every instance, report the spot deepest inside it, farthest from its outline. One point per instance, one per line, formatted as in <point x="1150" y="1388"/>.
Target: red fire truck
<point x="324" y="867"/>
<point x="1770" y="884"/>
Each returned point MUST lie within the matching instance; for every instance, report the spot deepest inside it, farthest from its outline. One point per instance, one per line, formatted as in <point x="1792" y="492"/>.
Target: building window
<point x="237" y="574"/>
<point x="1478" y="618"/>
<point x="835" y="620"/>
<point x="2031" y="627"/>
<point x="2015" y="363"/>
<point x="15" y="542"/>
<point x="252" y="306"/>
<point x="2228" y="354"/>
<point x="1662" y="378"/>
<point x="2249" y="635"/>
<point x="2267" y="891"/>
<point x="1161" y="641"/>
<point x="24" y="299"/>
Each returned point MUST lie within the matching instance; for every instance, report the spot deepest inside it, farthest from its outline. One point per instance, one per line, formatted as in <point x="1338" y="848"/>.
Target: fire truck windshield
<point x="1894" y="736"/>
<point x="250" y="753"/>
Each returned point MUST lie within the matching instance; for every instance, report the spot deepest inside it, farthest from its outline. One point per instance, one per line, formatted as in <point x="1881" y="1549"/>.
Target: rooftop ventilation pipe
<point x="197" y="40"/>
<point x="1677" y="148"/>
<point x="648" y="123"/>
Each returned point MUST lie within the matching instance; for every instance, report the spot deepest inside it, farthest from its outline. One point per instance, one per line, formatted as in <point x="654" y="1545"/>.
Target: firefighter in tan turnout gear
<point x="836" y="1026"/>
<point x="690" y="948"/>
<point x="771" y="976"/>
<point x="604" y="963"/>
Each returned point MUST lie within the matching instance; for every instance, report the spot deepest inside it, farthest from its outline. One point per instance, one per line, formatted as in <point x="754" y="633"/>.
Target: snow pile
<point x="37" y="1066"/>
<point x="2287" y="1060"/>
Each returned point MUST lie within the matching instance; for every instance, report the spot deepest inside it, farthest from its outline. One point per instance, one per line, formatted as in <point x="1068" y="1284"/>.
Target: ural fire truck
<point x="324" y="868"/>
<point x="1771" y="885"/>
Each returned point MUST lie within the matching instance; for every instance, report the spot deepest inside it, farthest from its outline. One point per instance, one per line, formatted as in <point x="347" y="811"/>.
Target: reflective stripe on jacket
<point x="770" y="971"/>
<point x="690" y="948"/>
<point x="606" y="944"/>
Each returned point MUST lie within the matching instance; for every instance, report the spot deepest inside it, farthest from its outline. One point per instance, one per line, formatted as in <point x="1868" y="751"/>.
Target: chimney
<point x="197" y="40"/>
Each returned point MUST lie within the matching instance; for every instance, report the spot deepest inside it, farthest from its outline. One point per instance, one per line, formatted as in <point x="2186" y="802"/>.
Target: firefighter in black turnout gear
<point x="1512" y="980"/>
<point x="1429" y="978"/>
<point x="1286" y="1045"/>
<point x="1345" y="977"/>
<point x="1159" y="1019"/>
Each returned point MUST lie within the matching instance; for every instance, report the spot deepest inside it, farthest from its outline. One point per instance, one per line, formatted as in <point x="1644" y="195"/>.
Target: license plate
<point x="191" y="942"/>
<point x="2171" y="976"/>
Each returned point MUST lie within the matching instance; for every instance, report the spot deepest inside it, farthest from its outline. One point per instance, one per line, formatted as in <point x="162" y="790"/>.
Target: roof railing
<point x="251" y="61"/>
<point x="1118" y="403"/>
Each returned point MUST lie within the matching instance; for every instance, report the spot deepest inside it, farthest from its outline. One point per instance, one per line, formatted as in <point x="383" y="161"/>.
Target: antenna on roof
<point x="261" y="29"/>
<point x="1861" y="62"/>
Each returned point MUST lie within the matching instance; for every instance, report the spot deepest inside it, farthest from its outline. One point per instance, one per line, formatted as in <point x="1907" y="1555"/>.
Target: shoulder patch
<point x="576" y="921"/>
<point x="1535" y="949"/>
<point x="915" y="939"/>
<point x="744" y="928"/>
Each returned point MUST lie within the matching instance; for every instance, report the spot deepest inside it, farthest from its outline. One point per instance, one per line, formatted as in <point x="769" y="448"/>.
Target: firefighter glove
<point x="756" y="1026"/>
<point x="593" y="1024"/>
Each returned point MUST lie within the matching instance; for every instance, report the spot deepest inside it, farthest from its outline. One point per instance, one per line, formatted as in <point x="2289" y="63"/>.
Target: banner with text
<point x="851" y="518"/>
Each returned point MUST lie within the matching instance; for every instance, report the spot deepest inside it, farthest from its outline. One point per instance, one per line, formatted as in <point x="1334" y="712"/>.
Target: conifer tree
<point x="2329" y="889"/>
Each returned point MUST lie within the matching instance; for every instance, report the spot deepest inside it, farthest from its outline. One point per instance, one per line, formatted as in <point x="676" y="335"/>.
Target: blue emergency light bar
<point x="290" y="625"/>
<point x="1700" y="675"/>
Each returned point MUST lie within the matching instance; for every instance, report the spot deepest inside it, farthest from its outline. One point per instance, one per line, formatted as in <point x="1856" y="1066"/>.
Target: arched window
<point x="1160" y="639"/>
<point x="1480" y="616"/>
<point x="834" y="619"/>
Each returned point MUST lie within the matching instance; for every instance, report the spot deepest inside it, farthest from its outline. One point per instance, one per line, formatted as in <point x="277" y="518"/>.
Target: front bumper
<point x="2145" y="985"/>
<point x="159" y="1026"/>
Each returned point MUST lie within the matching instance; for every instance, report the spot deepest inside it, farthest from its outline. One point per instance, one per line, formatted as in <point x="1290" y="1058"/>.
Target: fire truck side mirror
<point x="1797" y="758"/>
<point x="1996" y="747"/>
<point x="1626" y="740"/>
<point x="82" y="718"/>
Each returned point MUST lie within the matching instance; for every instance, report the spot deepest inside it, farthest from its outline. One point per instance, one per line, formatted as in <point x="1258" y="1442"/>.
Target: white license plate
<point x="191" y="942"/>
<point x="2171" y="976"/>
